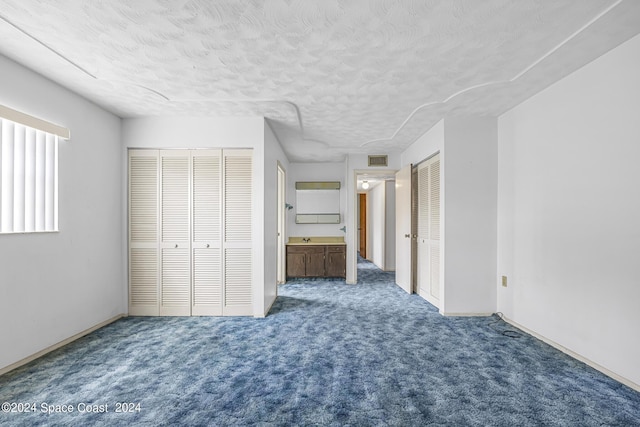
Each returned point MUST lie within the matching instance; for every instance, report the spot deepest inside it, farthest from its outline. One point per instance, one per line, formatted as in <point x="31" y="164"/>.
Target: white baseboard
<point x="466" y="314"/>
<point x="577" y="356"/>
<point x="58" y="345"/>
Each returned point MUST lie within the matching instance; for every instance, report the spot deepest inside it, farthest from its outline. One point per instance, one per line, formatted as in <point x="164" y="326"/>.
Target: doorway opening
<point x="375" y="218"/>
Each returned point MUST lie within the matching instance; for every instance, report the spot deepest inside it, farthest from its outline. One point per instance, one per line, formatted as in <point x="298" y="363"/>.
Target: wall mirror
<point x="317" y="202"/>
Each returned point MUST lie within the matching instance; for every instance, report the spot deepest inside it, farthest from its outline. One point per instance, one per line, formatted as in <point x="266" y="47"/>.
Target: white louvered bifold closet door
<point x="237" y="172"/>
<point x="429" y="229"/>
<point x="175" y="220"/>
<point x="423" y="230"/>
<point x="143" y="233"/>
<point x="190" y="232"/>
<point x="206" y="244"/>
<point x="434" y="227"/>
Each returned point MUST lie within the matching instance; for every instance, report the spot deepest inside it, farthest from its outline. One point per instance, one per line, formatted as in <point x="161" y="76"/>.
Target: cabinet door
<point x="296" y="262"/>
<point x="143" y="233"/>
<point x="315" y="262"/>
<point x="336" y="263"/>
<point x="175" y="224"/>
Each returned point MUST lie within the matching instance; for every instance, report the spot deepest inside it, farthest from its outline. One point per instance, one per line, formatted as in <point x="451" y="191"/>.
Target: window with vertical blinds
<point x="28" y="179"/>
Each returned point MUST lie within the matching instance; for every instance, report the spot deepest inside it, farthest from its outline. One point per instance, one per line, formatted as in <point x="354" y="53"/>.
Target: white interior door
<point x="403" y="228"/>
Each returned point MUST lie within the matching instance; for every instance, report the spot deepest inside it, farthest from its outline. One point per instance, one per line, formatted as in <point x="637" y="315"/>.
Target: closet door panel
<point x="423" y="230"/>
<point x="207" y="232"/>
<point x="237" y="196"/>
<point x="143" y="233"/>
<point x="175" y="284"/>
<point x="429" y="230"/>
<point x="175" y="287"/>
<point x="238" y="166"/>
<point x="207" y="202"/>
<point x="238" y="272"/>
<point x="434" y="227"/>
<point x="207" y="282"/>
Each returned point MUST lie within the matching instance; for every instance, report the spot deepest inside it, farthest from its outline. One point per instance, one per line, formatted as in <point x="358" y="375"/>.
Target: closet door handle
<point x="176" y="245"/>
<point x="207" y="245"/>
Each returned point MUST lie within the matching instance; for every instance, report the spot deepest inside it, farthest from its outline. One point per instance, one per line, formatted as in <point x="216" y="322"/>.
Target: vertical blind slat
<point x="7" y="177"/>
<point x="30" y="181"/>
<point x="39" y="181"/>
<point x="18" y="178"/>
<point x="49" y="194"/>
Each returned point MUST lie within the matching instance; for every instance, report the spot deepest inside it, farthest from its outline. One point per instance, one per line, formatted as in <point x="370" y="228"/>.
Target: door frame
<point x="352" y="219"/>
<point x="281" y="231"/>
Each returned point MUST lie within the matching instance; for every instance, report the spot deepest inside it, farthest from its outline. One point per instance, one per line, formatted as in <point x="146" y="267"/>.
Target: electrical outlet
<point x="504" y="281"/>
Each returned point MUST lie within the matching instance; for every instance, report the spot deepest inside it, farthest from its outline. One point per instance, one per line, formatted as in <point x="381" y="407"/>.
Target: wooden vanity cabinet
<point x="316" y="261"/>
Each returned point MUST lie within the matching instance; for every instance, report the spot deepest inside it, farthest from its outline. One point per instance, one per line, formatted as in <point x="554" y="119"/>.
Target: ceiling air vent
<point x="379" y="160"/>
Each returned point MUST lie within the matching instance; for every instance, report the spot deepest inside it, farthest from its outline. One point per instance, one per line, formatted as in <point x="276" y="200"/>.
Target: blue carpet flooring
<point x="328" y="354"/>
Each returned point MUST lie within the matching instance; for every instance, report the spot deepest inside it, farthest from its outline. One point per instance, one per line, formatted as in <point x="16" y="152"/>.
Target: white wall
<point x="314" y="172"/>
<point x="272" y="155"/>
<point x="376" y="225"/>
<point x="569" y="203"/>
<point x="470" y="211"/>
<point x="426" y="146"/>
<point x="55" y="285"/>
<point x="203" y="132"/>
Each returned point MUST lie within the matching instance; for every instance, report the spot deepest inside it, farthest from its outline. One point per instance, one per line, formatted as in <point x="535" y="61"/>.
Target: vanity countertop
<point x="324" y="240"/>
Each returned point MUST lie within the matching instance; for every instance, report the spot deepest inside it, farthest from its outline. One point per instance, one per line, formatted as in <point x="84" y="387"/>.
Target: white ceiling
<point x="332" y="76"/>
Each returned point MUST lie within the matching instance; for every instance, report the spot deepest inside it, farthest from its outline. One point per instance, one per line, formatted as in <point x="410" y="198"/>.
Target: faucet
<point x="306" y="239"/>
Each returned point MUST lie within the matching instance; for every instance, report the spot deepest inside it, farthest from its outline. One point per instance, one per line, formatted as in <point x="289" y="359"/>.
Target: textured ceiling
<point x="332" y="76"/>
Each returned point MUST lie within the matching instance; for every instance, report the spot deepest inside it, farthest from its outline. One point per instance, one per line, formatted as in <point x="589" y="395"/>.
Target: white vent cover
<point x="378" y="160"/>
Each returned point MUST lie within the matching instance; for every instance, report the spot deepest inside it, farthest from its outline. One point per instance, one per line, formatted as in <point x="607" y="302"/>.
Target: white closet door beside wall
<point x="429" y="230"/>
<point x="190" y="232"/>
<point x="237" y="232"/>
<point x="434" y="227"/>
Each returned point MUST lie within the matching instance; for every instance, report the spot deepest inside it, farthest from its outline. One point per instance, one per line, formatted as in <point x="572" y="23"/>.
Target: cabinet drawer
<point x="305" y="249"/>
<point x="336" y="248"/>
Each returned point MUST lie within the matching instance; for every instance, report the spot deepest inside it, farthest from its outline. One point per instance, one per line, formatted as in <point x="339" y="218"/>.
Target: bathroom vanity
<point x="316" y="257"/>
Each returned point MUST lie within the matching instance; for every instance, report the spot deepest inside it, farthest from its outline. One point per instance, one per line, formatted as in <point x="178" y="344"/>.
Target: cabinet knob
<point x="207" y="245"/>
<point x="407" y="235"/>
<point x="176" y="245"/>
